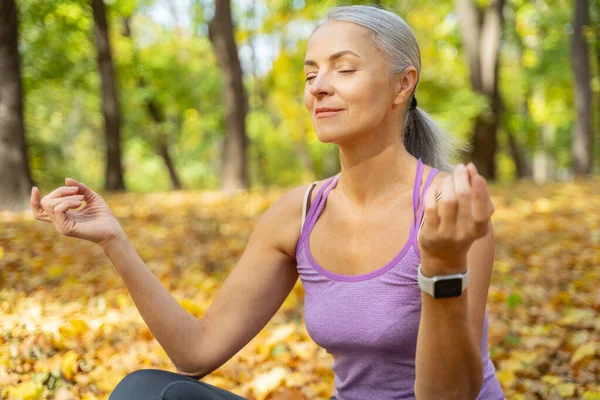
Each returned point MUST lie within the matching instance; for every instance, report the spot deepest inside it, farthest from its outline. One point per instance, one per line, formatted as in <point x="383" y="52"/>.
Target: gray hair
<point x="422" y="137"/>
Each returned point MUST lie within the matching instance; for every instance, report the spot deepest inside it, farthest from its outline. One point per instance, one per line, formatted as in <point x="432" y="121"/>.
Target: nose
<point x="320" y="86"/>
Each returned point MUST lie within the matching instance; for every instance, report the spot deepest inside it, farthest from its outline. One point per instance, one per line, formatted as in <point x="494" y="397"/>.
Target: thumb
<point x="83" y="189"/>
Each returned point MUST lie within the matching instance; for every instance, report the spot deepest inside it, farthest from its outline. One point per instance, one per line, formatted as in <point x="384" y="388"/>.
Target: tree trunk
<point x="517" y="155"/>
<point x="597" y="24"/>
<point x="110" y="100"/>
<point x="15" y="176"/>
<point x="234" y="174"/>
<point x="481" y="32"/>
<point x="582" y="144"/>
<point x="157" y="115"/>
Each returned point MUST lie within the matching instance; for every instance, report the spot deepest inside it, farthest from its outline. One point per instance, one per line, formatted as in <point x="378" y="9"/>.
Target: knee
<point x="135" y="385"/>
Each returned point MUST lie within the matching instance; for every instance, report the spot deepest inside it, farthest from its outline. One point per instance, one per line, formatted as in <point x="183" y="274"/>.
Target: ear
<point x="405" y="83"/>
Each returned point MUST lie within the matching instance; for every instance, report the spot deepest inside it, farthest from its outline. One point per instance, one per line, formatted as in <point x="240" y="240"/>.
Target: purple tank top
<point x="369" y="322"/>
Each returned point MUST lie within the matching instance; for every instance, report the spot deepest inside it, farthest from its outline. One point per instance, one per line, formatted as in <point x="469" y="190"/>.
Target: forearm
<point x="179" y="333"/>
<point x="448" y="360"/>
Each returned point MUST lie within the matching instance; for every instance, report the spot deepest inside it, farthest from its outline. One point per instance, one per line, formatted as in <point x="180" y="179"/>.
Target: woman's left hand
<point x="453" y="223"/>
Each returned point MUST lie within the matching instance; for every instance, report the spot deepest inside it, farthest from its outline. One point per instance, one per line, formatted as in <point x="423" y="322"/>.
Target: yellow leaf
<point x="552" y="380"/>
<point x="507" y="378"/>
<point x="1" y="252"/>
<point x="74" y="328"/>
<point x="263" y="383"/>
<point x="79" y="327"/>
<point x="578" y="338"/>
<point x="577" y="317"/>
<point x="26" y="391"/>
<point x="55" y="271"/>
<point x="68" y="364"/>
<point x="191" y="307"/>
<point x="595" y="395"/>
<point x="566" y="389"/>
<point x="585" y="350"/>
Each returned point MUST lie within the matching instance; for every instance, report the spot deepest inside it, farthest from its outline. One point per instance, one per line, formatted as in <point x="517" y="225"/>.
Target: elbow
<point x="477" y="381"/>
<point x="193" y="366"/>
<point x="473" y="386"/>
<point x="464" y="389"/>
<point x="199" y="374"/>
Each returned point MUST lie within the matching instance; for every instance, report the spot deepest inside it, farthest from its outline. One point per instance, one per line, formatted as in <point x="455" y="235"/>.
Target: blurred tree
<point x="156" y="112"/>
<point x="481" y="30"/>
<point x="15" y="176"/>
<point x="234" y="174"/>
<point x="582" y="145"/>
<point x="110" y="100"/>
<point x="516" y="122"/>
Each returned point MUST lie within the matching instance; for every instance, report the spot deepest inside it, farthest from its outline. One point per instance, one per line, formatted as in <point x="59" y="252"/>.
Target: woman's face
<point x="345" y="71"/>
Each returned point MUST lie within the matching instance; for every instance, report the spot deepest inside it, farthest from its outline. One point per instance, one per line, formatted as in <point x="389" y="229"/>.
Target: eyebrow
<point x="333" y="57"/>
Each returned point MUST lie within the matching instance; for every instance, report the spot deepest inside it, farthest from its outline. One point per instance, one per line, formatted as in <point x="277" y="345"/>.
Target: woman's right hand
<point x="94" y="222"/>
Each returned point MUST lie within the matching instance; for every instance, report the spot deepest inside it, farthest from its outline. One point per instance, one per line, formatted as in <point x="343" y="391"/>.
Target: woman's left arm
<point x="457" y="232"/>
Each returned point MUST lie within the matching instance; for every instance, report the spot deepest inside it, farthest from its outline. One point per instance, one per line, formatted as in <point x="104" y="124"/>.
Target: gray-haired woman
<point x="385" y="269"/>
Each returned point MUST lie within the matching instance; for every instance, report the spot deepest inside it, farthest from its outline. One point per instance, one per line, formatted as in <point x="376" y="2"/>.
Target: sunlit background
<point x="68" y="328"/>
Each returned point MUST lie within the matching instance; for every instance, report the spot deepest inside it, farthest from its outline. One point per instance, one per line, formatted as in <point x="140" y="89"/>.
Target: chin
<point x="330" y="135"/>
<point x="335" y="135"/>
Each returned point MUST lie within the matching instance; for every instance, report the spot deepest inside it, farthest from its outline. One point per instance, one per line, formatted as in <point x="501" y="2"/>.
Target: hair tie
<point x="413" y="103"/>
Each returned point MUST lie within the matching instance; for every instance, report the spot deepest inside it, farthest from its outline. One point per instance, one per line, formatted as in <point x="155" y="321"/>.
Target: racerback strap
<point x="306" y="203"/>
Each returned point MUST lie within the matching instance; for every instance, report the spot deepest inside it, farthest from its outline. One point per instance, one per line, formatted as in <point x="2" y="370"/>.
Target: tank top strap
<point x="417" y="186"/>
<point x="317" y="205"/>
<point x="430" y="177"/>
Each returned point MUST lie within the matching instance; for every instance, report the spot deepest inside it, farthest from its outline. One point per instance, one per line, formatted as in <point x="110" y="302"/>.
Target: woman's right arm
<point x="249" y="297"/>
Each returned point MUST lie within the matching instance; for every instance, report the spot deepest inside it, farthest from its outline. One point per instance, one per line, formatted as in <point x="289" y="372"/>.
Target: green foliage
<point x="180" y="76"/>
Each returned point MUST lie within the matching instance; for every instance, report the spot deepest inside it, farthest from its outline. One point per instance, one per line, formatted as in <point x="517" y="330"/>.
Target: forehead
<point x="334" y="36"/>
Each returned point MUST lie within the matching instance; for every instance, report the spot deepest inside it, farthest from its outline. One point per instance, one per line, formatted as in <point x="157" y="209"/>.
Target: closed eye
<point x="346" y="71"/>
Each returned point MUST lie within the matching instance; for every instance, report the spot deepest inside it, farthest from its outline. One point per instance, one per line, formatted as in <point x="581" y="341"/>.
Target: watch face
<point x="447" y="288"/>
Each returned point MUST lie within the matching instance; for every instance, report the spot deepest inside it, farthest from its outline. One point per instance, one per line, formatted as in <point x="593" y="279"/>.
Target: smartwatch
<point x="442" y="286"/>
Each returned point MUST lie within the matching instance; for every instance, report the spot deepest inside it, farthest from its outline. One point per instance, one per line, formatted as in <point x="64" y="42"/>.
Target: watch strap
<point x="440" y="286"/>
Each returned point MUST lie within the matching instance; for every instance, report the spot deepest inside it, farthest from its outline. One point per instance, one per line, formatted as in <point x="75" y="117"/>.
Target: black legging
<point x="156" y="384"/>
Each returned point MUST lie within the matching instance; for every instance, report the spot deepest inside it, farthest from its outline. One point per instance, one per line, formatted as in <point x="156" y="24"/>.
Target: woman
<point x="393" y="333"/>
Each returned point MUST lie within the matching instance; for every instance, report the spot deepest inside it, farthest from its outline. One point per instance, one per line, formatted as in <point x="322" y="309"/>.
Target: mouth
<point x="327" y="112"/>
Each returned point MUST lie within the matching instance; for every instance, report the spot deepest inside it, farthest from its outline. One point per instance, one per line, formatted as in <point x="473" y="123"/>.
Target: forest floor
<point x="68" y="328"/>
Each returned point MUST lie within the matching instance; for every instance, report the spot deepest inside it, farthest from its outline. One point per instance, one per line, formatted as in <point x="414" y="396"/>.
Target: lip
<point x="323" y="112"/>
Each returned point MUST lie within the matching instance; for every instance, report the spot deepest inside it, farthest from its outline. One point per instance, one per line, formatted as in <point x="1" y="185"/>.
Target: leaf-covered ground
<point x="68" y="328"/>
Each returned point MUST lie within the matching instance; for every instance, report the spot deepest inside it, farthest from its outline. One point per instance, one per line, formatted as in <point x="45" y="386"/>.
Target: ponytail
<point x="424" y="139"/>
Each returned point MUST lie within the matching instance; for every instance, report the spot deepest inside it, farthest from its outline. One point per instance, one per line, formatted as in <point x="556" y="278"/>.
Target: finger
<point x="61" y="209"/>
<point x="447" y="207"/>
<point x="60" y="192"/>
<point x="481" y="203"/>
<point x="36" y="207"/>
<point x="65" y="206"/>
<point x="55" y="202"/>
<point x="472" y="170"/>
<point x="51" y="204"/>
<point x="430" y="216"/>
<point x="462" y="189"/>
<point x="81" y="188"/>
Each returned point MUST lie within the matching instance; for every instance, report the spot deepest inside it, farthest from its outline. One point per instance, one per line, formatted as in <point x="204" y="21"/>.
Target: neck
<point x="373" y="171"/>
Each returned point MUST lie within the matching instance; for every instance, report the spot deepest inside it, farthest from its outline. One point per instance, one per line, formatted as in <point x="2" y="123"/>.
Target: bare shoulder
<point x="284" y="217"/>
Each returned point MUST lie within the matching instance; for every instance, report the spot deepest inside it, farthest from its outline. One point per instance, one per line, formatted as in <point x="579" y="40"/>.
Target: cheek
<point x="308" y="98"/>
<point x="367" y="100"/>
